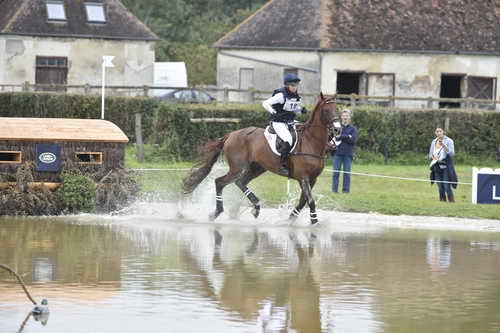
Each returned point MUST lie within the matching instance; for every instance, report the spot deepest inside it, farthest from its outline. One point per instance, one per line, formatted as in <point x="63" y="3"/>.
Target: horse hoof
<point x="314" y="221"/>
<point x="256" y="211"/>
<point x="292" y="217"/>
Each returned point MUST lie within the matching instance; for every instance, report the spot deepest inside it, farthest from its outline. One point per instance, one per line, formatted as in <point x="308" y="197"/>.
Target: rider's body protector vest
<point x="287" y="111"/>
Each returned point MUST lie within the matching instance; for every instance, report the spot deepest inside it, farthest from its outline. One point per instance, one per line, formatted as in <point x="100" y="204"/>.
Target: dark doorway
<point x="451" y="87"/>
<point x="348" y="83"/>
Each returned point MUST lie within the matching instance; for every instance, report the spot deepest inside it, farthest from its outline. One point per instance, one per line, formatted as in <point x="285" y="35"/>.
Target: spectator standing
<point x="342" y="156"/>
<point x="441" y="151"/>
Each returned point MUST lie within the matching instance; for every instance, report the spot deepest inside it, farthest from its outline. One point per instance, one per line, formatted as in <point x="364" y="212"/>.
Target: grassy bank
<point x="368" y="194"/>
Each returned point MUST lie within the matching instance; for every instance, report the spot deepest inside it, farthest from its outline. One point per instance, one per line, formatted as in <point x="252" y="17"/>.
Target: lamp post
<point x="107" y="61"/>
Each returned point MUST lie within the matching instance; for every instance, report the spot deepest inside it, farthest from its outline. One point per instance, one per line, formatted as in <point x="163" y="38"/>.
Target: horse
<point x="248" y="155"/>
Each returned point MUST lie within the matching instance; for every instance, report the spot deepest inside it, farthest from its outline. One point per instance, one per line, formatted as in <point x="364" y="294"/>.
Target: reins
<point x="307" y="154"/>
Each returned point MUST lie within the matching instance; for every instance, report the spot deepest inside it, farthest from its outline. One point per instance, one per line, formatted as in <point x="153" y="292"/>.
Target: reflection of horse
<point x="249" y="156"/>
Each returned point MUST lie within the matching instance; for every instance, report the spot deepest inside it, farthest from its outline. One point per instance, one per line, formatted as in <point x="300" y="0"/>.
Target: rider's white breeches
<point x="282" y="130"/>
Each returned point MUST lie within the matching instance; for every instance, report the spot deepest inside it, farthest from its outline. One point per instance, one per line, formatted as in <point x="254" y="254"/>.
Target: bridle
<point x="328" y="123"/>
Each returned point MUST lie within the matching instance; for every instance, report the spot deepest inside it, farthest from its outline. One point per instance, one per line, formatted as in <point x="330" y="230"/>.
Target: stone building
<point x="63" y="41"/>
<point x="405" y="48"/>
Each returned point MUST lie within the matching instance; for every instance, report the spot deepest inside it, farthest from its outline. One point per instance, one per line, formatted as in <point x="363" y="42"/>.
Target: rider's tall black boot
<point x="285" y="152"/>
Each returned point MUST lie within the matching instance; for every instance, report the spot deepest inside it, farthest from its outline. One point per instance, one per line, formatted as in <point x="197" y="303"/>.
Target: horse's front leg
<point x="305" y="185"/>
<point x="296" y="211"/>
<point x="302" y="201"/>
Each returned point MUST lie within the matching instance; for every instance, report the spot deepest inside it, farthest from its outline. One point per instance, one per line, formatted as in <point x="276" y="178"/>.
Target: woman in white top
<point x="440" y="152"/>
<point x="283" y="106"/>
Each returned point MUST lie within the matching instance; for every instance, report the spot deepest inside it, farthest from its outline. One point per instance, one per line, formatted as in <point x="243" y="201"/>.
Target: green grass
<point x="368" y="194"/>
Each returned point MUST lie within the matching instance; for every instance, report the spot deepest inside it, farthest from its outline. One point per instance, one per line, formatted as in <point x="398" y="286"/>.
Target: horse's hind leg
<point x="307" y="192"/>
<point x="252" y="172"/>
<point x="220" y="183"/>
<point x="302" y="201"/>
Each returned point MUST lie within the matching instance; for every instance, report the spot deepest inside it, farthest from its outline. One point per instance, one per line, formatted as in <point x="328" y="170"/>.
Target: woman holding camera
<point x="442" y="169"/>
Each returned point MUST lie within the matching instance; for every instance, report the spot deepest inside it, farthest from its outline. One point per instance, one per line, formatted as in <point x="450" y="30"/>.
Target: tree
<point x="188" y="28"/>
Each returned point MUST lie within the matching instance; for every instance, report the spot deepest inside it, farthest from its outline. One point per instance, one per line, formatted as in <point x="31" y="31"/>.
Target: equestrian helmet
<point x="291" y="78"/>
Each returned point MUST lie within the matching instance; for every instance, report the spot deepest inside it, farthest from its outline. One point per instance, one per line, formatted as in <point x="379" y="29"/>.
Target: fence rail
<point x="255" y="96"/>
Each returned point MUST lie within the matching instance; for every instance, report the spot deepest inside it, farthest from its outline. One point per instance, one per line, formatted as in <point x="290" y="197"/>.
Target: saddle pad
<point x="272" y="139"/>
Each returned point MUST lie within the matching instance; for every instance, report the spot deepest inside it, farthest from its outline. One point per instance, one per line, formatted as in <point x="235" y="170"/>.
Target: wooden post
<point x="26" y="86"/>
<point x="446" y="124"/>
<point x="468" y="103"/>
<point x="87" y="89"/>
<point x="392" y="102"/>
<point x="429" y="102"/>
<point x="353" y="100"/>
<point x="226" y="95"/>
<point x="145" y="91"/>
<point x="138" y="138"/>
<point x="252" y="96"/>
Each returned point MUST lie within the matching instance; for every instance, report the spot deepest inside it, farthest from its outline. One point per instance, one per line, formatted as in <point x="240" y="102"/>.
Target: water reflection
<point x="438" y="253"/>
<point x="223" y="278"/>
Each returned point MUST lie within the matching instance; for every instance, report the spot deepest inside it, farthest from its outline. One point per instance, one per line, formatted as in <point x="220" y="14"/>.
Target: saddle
<point x="275" y="142"/>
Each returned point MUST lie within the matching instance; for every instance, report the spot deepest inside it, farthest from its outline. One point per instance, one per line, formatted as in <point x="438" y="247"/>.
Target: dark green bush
<point x="77" y="194"/>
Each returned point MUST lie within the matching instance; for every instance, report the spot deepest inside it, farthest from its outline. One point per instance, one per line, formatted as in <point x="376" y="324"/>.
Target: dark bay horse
<point x="248" y="156"/>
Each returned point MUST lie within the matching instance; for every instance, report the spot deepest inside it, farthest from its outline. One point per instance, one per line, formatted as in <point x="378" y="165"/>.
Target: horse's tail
<point x="208" y="153"/>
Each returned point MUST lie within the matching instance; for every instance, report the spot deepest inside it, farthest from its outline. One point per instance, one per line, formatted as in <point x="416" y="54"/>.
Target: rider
<point x="283" y="107"/>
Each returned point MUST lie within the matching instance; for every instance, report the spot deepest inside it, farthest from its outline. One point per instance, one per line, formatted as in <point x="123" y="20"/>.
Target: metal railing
<point x="226" y="95"/>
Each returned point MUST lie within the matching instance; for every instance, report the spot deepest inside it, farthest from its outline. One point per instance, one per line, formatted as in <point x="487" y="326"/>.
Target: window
<point x="95" y="12"/>
<point x="480" y="87"/>
<point x="51" y="71"/>
<point x="88" y="158"/>
<point x="10" y="157"/>
<point x="201" y="97"/>
<point x="55" y="11"/>
<point x="184" y="95"/>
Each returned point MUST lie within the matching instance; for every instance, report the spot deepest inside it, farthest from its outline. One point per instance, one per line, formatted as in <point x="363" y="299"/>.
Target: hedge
<point x="392" y="132"/>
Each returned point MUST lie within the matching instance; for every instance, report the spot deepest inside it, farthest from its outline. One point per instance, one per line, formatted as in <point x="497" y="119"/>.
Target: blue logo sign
<point x="48" y="157"/>
<point x="486" y="186"/>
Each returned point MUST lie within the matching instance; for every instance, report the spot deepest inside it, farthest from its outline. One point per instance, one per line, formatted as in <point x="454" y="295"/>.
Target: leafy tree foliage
<point x="188" y="28"/>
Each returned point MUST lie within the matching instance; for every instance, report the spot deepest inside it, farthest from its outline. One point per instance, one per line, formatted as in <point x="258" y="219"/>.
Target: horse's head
<point x="329" y="116"/>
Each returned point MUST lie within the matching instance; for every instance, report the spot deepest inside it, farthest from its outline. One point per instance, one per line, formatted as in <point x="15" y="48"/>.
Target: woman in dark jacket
<point x="441" y="151"/>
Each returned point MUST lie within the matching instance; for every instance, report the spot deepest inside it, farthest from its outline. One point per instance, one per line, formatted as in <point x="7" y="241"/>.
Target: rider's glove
<point x="304" y="110"/>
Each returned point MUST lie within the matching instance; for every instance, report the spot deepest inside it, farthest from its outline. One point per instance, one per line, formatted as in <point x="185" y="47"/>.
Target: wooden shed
<point x="52" y="143"/>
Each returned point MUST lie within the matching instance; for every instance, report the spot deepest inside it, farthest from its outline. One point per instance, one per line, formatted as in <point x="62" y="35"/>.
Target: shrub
<point x="76" y="194"/>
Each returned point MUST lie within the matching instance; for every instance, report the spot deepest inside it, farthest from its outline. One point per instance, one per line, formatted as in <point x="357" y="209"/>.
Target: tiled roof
<point x="399" y="25"/>
<point x="29" y="17"/>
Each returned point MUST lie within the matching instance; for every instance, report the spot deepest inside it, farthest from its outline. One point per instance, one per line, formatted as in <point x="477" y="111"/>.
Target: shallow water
<point x="147" y="272"/>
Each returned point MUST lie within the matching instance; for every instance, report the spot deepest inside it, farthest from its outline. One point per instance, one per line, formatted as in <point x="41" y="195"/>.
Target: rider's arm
<point x="276" y="99"/>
